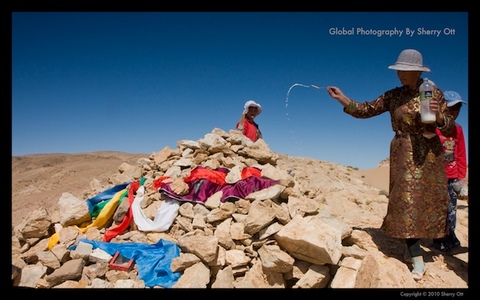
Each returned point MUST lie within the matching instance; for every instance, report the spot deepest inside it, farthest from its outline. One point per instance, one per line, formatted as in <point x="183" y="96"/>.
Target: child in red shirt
<point x="247" y="124"/>
<point x="455" y="159"/>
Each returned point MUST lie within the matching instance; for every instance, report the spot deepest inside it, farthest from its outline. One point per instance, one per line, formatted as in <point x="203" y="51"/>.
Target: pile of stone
<point x="304" y="232"/>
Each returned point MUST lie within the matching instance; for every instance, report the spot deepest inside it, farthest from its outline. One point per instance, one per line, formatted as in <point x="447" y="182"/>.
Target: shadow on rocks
<point x="389" y="246"/>
<point x="456" y="264"/>
<point x="394" y="247"/>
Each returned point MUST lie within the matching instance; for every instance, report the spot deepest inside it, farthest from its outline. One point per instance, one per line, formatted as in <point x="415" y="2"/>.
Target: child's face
<point x="252" y="112"/>
<point x="455" y="110"/>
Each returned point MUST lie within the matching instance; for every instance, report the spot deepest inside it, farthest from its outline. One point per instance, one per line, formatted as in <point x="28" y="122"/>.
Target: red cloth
<point x="127" y="219"/>
<point x="217" y="177"/>
<point x="158" y="182"/>
<point x="455" y="155"/>
<point x="251" y="171"/>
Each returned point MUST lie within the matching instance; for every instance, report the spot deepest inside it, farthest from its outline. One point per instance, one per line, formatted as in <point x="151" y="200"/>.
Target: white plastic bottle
<point x="426" y="94"/>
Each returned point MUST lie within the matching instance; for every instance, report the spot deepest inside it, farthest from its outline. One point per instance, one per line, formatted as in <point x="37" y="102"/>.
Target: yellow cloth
<point x="52" y="241"/>
<point x="107" y="211"/>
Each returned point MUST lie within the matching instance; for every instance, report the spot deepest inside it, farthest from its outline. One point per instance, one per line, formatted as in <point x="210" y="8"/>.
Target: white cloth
<point x="164" y="217"/>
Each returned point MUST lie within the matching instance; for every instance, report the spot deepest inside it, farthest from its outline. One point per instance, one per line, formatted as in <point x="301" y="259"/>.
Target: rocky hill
<point x="316" y="225"/>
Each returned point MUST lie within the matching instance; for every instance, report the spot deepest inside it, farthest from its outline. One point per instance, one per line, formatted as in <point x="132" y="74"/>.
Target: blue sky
<point x="139" y="81"/>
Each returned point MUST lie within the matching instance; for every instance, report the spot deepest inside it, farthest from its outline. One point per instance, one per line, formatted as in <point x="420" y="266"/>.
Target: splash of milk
<point x="292" y="133"/>
<point x="303" y="85"/>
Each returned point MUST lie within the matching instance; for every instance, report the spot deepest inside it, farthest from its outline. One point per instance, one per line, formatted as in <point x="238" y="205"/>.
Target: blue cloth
<point x="153" y="260"/>
<point x="105" y="195"/>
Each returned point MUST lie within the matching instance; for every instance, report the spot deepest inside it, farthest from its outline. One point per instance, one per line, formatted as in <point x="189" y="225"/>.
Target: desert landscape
<point x="39" y="180"/>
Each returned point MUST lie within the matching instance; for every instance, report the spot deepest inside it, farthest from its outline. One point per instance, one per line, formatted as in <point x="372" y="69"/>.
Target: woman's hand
<point x="338" y="95"/>
<point x="434" y="106"/>
<point x="334" y="92"/>
<point x="439" y="116"/>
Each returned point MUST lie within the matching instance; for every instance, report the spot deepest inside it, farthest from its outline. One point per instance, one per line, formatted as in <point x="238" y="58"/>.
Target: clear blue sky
<point x="137" y="82"/>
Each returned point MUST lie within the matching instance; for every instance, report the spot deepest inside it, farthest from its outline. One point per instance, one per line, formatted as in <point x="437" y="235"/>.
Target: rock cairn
<point x="306" y="231"/>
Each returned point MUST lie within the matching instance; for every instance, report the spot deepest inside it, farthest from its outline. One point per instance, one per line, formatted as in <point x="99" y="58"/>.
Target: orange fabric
<point x="214" y="176"/>
<point x="251" y="171"/>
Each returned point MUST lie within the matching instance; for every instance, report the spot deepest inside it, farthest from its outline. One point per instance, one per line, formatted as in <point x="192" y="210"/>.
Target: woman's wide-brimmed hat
<point x="410" y="60"/>
<point x="452" y="98"/>
<point x="250" y="103"/>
